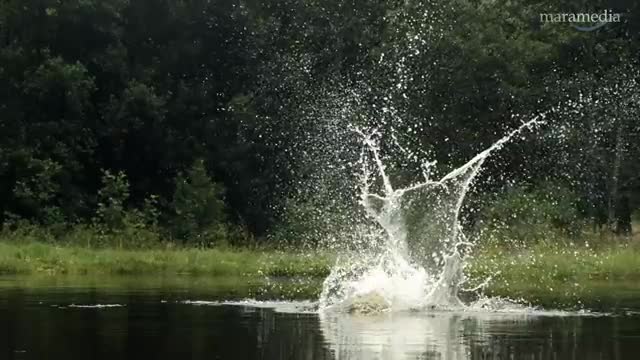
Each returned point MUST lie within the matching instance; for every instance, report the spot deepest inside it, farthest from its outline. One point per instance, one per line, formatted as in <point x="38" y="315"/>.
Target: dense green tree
<point x="198" y="207"/>
<point x="145" y="88"/>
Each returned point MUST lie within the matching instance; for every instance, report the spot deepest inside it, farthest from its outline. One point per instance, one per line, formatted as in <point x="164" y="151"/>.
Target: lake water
<point x="151" y="319"/>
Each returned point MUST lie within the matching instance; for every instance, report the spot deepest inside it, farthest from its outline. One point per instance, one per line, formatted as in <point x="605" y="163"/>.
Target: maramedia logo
<point x="583" y="21"/>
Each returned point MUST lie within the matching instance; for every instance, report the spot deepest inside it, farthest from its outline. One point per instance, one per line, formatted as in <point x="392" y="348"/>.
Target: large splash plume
<point x="423" y="248"/>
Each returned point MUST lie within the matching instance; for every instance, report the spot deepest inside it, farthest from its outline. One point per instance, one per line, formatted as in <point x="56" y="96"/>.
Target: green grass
<point x="35" y="258"/>
<point x="544" y="275"/>
<point x="562" y="276"/>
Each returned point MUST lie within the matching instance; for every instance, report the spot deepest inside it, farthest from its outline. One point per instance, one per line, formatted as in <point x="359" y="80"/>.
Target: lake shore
<point x="564" y="277"/>
<point x="41" y="258"/>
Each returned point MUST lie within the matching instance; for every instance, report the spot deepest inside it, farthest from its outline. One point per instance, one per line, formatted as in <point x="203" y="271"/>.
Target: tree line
<point x="182" y="115"/>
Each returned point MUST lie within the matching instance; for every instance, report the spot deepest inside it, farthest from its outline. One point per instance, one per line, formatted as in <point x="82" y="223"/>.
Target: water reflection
<point x="87" y="324"/>
<point x="404" y="335"/>
<point x="462" y="336"/>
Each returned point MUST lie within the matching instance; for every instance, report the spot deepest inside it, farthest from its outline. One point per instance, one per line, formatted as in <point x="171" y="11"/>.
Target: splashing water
<point x="421" y="261"/>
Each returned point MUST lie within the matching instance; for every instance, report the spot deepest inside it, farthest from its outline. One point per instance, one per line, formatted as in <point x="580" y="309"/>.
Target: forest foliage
<point x="155" y="120"/>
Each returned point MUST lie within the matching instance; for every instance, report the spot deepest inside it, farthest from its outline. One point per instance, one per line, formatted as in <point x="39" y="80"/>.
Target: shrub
<point x="111" y="213"/>
<point x="529" y="215"/>
<point x="118" y="226"/>
<point x="199" y="208"/>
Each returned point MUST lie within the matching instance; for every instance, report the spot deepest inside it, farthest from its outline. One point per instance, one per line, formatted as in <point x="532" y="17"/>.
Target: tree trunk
<point x="615" y="178"/>
<point x="623" y="216"/>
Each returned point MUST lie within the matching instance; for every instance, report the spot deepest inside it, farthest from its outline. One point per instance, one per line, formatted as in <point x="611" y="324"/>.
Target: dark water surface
<point x="147" y="319"/>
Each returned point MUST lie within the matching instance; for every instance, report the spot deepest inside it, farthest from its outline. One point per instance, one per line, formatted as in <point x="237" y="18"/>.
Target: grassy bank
<point x="545" y="275"/>
<point x="35" y="258"/>
<point x="562" y="276"/>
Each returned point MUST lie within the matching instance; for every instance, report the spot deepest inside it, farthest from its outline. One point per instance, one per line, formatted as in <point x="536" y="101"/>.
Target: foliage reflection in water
<point x="83" y="323"/>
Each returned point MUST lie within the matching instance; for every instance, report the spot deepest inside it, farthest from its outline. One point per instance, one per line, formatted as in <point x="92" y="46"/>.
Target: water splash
<point x="439" y="334"/>
<point x="421" y="261"/>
